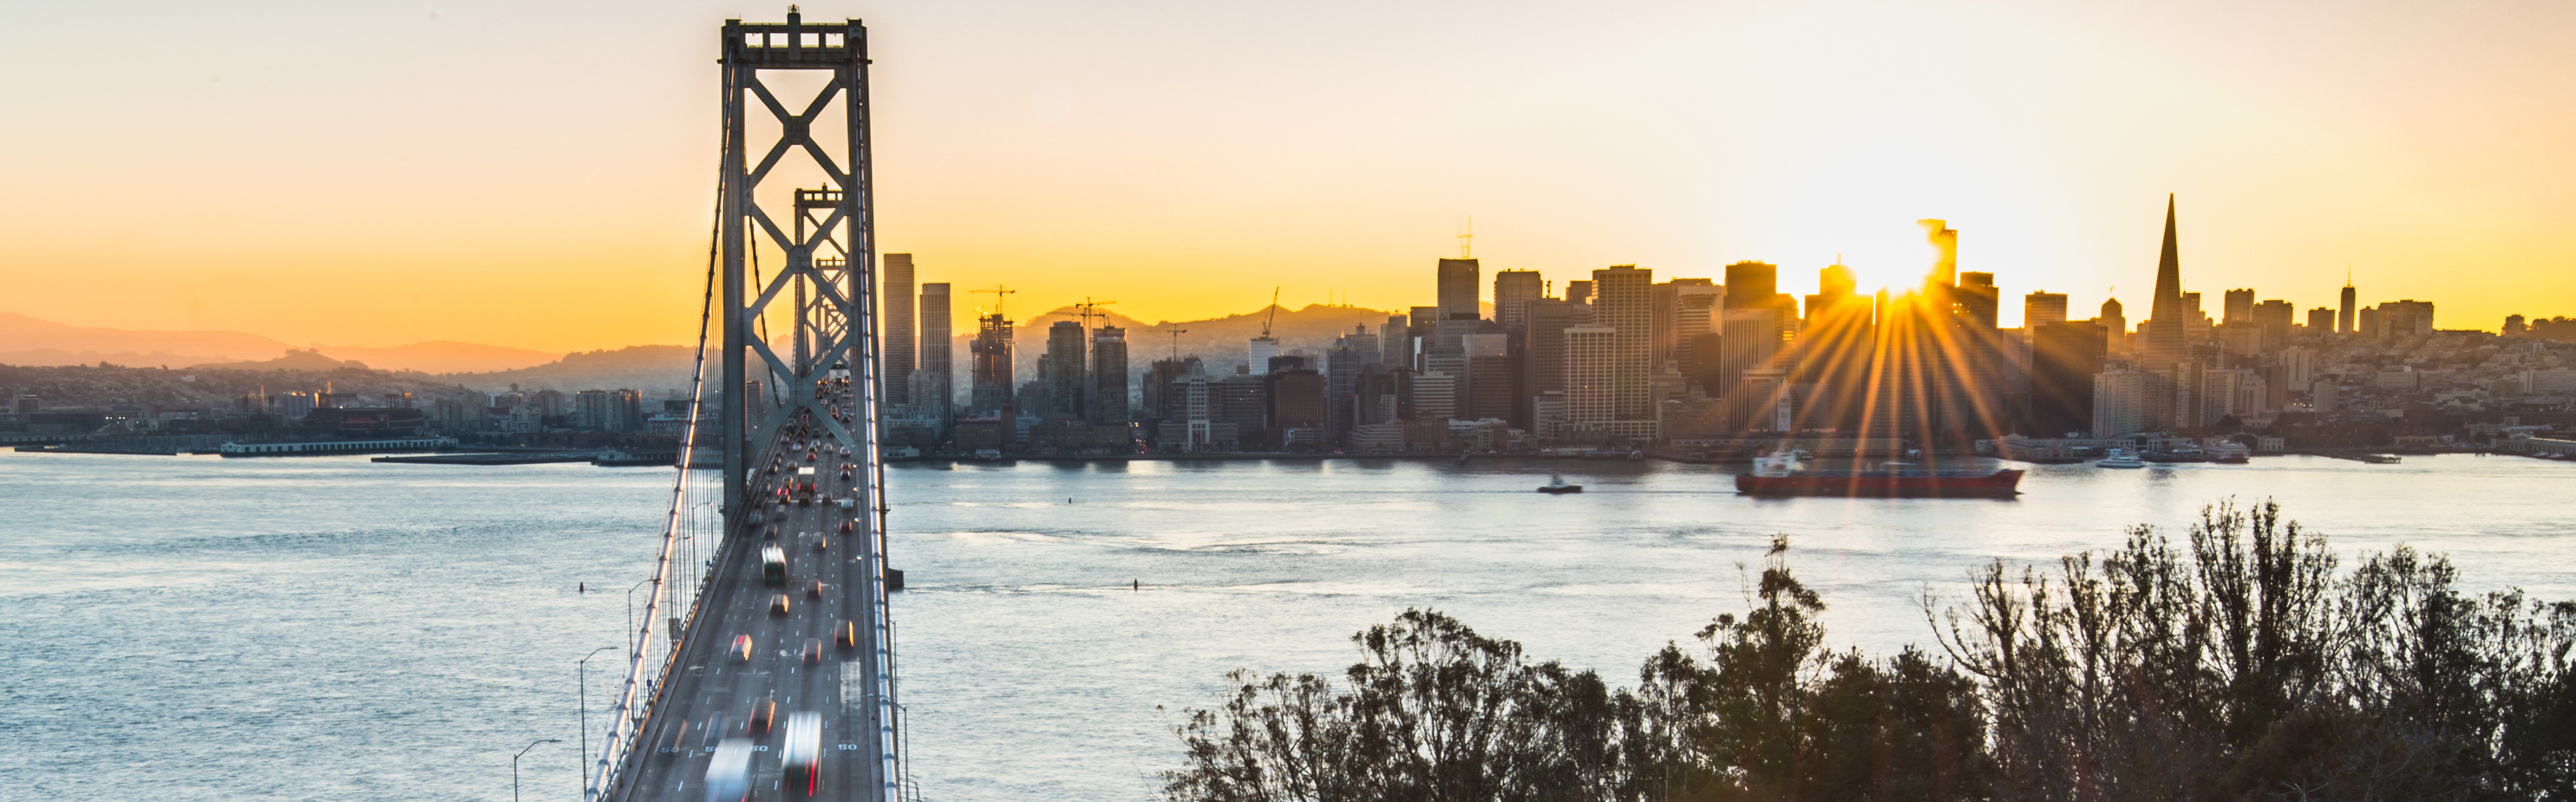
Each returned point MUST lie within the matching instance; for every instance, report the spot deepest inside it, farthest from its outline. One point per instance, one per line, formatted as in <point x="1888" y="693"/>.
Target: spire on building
<point x="2168" y="301"/>
<point x="2163" y="330"/>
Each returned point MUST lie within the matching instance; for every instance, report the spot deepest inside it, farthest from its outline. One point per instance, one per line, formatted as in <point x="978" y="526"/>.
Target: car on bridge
<point x="741" y="650"/>
<point x="802" y="755"/>
<point x="729" y="773"/>
<point x="773" y="565"/>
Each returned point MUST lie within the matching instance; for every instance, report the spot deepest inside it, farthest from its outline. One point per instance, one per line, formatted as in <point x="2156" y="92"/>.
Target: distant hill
<point x="38" y="343"/>
<point x="443" y="356"/>
<point x="654" y="369"/>
<point x="27" y="341"/>
<point x="298" y="359"/>
<point x="207" y="389"/>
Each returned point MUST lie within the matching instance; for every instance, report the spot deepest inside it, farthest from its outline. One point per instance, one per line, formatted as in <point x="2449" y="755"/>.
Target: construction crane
<point x="1091" y="309"/>
<point x="1176" y="342"/>
<point x="1274" y="313"/>
<point x="998" y="291"/>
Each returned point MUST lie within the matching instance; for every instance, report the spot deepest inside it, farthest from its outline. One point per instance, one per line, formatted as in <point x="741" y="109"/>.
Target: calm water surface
<point x="330" y="628"/>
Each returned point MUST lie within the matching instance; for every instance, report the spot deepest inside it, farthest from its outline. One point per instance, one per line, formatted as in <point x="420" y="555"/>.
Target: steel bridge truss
<point x="827" y="287"/>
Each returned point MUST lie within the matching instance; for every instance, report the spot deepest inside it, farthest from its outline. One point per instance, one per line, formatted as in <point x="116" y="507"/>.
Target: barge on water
<point x="1777" y="475"/>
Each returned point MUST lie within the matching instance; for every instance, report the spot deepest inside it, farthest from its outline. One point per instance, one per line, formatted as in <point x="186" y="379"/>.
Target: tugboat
<point x="1556" y="486"/>
<point x="2121" y="458"/>
<point x="1777" y="475"/>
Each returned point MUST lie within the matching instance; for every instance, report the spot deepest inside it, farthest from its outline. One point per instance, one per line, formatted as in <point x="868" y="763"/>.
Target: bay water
<point x="333" y="628"/>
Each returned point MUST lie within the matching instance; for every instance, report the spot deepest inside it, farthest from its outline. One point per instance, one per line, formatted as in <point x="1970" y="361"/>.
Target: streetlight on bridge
<point x="634" y="640"/>
<point x="514" y="764"/>
<point x="581" y="675"/>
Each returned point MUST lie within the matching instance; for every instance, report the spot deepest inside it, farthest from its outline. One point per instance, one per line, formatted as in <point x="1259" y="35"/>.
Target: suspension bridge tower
<point x="779" y="140"/>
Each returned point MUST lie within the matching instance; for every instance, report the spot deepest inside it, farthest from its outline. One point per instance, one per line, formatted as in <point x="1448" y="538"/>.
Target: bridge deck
<point x="714" y="691"/>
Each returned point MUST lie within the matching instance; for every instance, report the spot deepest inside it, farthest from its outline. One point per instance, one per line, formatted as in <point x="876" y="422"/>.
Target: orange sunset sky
<point x="540" y="174"/>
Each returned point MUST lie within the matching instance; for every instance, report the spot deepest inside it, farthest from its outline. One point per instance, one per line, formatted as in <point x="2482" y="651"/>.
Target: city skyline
<point x="1064" y="154"/>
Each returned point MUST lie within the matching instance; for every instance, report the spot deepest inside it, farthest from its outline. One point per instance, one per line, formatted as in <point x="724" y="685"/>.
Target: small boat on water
<point x="1779" y="475"/>
<point x="2121" y="458"/>
<point x="2380" y="459"/>
<point x="1556" y="486"/>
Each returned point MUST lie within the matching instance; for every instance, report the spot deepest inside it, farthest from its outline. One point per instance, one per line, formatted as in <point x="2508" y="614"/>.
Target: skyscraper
<point x="2042" y="308"/>
<point x="2165" y="324"/>
<point x="1625" y="297"/>
<point x="2274" y="318"/>
<point x="1591" y="357"/>
<point x="1109" y="376"/>
<point x="935" y="354"/>
<point x="1458" y="288"/>
<point x="2063" y="360"/>
<point x="1513" y="292"/>
<point x="1945" y="244"/>
<point x="2343" y="320"/>
<point x="1698" y="308"/>
<point x="1393" y="342"/>
<point x="1258" y="352"/>
<point x="992" y="354"/>
<point x="1065" y="375"/>
<point x="1978" y="301"/>
<point x="2239" y="307"/>
<point x="1752" y="285"/>
<point x="1579" y="291"/>
<point x="896" y="304"/>
<point x="1750" y="341"/>
<point x="1834" y="353"/>
<point x="1543" y="347"/>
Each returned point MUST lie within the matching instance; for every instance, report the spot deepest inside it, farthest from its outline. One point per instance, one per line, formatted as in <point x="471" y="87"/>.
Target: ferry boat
<point x="1556" y="486"/>
<point x="1778" y="475"/>
<point x="2176" y="456"/>
<point x="2121" y="458"/>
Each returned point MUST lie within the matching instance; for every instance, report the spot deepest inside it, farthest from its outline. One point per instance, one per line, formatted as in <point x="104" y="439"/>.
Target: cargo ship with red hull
<point x="1776" y="477"/>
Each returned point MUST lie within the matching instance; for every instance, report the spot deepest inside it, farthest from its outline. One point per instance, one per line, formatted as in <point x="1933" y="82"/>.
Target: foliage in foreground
<point x="2239" y="664"/>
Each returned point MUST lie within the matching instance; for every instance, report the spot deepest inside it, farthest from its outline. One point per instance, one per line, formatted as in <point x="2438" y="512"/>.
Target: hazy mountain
<point x="27" y="341"/>
<point x="298" y="359"/>
<point x="212" y="390"/>
<point x="443" y="356"/>
<point x="653" y="369"/>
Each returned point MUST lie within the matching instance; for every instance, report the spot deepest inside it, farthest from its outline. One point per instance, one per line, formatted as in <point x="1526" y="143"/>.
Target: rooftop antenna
<point x="1466" y="235"/>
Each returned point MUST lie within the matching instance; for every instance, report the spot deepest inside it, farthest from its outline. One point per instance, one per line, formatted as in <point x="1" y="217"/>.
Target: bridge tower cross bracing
<point x="830" y="283"/>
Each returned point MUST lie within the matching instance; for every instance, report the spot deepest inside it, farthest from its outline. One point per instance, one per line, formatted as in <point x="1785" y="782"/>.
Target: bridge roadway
<point x="714" y="690"/>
